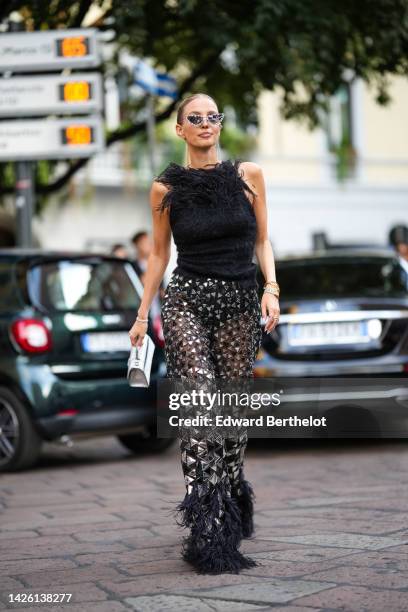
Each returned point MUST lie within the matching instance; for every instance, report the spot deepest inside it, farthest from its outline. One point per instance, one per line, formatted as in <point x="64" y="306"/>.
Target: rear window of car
<point x="83" y="286"/>
<point x="342" y="277"/>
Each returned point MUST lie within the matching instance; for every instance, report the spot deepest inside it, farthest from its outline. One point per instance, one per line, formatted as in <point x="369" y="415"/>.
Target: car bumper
<point x="387" y="365"/>
<point x="94" y="403"/>
<point x="353" y="406"/>
<point x="114" y="420"/>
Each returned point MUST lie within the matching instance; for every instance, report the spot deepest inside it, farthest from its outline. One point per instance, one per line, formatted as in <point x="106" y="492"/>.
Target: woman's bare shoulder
<point x="251" y="174"/>
<point x="251" y="169"/>
<point x="158" y="188"/>
<point x="158" y="192"/>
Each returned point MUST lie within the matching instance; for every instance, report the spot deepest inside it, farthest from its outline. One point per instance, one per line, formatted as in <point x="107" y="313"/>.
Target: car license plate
<point x="332" y="332"/>
<point x="105" y="342"/>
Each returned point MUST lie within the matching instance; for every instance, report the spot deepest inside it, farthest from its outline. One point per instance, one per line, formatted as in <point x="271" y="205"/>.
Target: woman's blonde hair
<point x="180" y="116"/>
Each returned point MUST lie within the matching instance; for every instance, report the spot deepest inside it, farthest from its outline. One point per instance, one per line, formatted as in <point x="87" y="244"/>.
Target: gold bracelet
<point x="272" y="290"/>
<point x="273" y="284"/>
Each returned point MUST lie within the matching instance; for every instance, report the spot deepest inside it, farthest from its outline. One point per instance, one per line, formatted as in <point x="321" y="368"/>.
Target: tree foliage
<point x="304" y="49"/>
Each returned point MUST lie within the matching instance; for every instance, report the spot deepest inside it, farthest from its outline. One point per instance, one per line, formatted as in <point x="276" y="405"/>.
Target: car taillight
<point x="32" y="335"/>
<point x="158" y="330"/>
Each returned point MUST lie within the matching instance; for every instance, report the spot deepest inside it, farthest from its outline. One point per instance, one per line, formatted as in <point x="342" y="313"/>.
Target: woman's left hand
<point x="270" y="311"/>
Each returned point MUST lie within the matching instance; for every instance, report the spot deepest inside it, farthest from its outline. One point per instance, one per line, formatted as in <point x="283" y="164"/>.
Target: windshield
<point x="81" y="285"/>
<point x="342" y="277"/>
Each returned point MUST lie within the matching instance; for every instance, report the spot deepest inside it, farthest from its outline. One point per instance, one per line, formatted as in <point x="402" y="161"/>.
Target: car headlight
<point x="374" y="328"/>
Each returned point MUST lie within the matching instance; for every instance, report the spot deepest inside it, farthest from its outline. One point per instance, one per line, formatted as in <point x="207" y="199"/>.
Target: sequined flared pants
<point x="212" y="332"/>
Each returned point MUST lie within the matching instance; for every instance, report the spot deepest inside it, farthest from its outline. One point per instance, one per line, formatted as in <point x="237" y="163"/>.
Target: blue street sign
<point x="166" y="85"/>
<point x="156" y="83"/>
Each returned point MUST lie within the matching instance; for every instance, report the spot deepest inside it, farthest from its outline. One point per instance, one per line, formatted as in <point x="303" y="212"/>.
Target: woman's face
<point x="207" y="134"/>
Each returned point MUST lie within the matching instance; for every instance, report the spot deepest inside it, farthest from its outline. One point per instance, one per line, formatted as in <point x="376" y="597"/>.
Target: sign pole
<point x="25" y="202"/>
<point x="24" y="189"/>
<point x="151" y="132"/>
<point x="154" y="84"/>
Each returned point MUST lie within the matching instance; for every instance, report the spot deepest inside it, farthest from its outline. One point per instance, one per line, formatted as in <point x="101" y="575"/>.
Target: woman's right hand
<point x="137" y="333"/>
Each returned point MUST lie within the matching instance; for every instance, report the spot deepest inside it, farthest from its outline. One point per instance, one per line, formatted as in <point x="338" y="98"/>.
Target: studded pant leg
<point x="236" y="341"/>
<point x="190" y="317"/>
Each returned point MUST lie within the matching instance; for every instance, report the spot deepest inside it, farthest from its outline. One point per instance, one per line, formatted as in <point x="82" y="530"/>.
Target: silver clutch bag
<point x="140" y="363"/>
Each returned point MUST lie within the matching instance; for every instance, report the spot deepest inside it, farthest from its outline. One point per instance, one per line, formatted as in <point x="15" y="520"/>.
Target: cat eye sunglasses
<point x="198" y="120"/>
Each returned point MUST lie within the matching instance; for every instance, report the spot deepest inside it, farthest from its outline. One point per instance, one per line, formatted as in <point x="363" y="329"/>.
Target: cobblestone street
<point x="331" y="531"/>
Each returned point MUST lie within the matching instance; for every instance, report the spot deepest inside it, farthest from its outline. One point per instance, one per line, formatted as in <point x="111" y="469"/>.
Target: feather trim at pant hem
<point x="245" y="497"/>
<point x="214" y="518"/>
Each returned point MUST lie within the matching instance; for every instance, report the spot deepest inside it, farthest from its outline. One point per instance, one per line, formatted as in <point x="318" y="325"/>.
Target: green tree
<point x="234" y="50"/>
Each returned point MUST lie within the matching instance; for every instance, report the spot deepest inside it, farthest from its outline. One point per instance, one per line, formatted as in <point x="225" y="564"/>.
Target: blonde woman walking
<point x="216" y="211"/>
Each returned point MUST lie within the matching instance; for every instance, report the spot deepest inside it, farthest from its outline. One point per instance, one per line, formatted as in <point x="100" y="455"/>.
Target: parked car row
<point x="64" y="344"/>
<point x="344" y="317"/>
<point x="341" y="313"/>
<point x="64" y="321"/>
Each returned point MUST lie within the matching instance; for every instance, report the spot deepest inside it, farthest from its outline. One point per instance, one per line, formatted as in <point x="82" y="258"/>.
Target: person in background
<point x="398" y="238"/>
<point x="142" y="244"/>
<point x="119" y="250"/>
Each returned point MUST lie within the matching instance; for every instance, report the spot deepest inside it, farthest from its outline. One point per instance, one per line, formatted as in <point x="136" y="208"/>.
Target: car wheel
<point x="145" y="443"/>
<point x="20" y="443"/>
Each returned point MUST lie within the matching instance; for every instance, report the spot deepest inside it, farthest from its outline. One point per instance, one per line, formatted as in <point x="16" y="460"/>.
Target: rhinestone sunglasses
<point x="198" y="120"/>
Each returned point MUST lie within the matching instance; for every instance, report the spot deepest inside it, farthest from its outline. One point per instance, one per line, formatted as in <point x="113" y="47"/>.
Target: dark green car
<point x="64" y="345"/>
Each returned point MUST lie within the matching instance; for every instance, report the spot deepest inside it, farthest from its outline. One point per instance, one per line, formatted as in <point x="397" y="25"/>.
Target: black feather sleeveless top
<point x="212" y="221"/>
